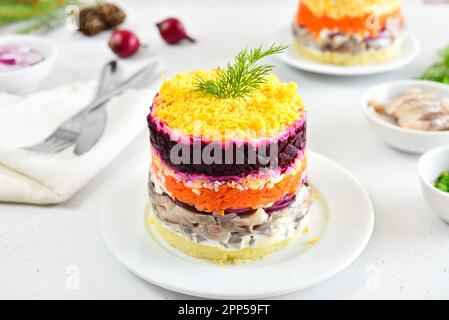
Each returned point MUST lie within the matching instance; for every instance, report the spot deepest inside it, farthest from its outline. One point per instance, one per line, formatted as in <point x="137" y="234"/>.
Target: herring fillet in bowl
<point x="392" y="134"/>
<point x="26" y="78"/>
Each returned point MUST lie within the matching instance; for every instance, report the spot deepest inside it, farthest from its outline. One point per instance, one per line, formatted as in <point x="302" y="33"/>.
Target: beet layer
<point x="287" y="152"/>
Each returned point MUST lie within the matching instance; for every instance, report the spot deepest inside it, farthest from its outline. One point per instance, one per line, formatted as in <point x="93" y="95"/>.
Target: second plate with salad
<point x="410" y="50"/>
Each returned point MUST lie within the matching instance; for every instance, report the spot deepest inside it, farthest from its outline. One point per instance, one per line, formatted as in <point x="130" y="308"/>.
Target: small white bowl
<point x="430" y="166"/>
<point x="394" y="135"/>
<point x="27" y="78"/>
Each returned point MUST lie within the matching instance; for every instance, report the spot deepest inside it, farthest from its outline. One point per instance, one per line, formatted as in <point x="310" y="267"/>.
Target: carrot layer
<point x="365" y="25"/>
<point x="208" y="200"/>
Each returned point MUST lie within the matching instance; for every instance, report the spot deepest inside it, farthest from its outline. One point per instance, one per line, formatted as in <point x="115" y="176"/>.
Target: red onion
<point x="172" y="31"/>
<point x="8" y="61"/>
<point x="239" y="211"/>
<point x="282" y="203"/>
<point x="19" y="56"/>
<point x="124" y="43"/>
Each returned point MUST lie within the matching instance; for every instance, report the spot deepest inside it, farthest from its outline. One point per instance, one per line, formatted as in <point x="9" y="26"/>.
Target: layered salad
<point x="347" y="32"/>
<point x="228" y="176"/>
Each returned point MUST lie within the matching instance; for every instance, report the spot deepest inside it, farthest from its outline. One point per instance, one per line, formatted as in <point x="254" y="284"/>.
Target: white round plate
<point x="410" y="49"/>
<point x="341" y="219"/>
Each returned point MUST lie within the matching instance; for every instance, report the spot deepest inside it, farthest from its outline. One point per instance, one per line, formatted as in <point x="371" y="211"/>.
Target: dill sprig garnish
<point x="241" y="78"/>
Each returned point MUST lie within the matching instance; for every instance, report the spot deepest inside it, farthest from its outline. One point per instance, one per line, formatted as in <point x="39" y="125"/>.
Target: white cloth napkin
<point x="29" y="177"/>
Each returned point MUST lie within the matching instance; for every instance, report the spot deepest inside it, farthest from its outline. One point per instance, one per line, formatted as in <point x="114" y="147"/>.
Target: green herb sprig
<point x="241" y="78"/>
<point x="439" y="71"/>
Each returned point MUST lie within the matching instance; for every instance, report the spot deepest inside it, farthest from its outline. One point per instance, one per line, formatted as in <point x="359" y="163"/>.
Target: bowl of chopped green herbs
<point x="433" y="171"/>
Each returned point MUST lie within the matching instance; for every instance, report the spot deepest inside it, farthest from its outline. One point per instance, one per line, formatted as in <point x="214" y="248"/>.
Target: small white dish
<point x="27" y="78"/>
<point x="342" y="217"/>
<point x="402" y="138"/>
<point x="430" y="166"/>
<point x="410" y="49"/>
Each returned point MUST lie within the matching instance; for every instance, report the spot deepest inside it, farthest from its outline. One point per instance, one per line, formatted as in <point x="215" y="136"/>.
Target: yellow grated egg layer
<point x="338" y="9"/>
<point x="267" y="112"/>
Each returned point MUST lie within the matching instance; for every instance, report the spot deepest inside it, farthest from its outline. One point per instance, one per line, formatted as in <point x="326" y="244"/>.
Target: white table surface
<point x="43" y="249"/>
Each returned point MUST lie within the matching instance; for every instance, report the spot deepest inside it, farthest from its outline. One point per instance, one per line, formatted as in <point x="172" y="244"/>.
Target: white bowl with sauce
<point x="430" y="166"/>
<point x="392" y="134"/>
<point x="23" y="78"/>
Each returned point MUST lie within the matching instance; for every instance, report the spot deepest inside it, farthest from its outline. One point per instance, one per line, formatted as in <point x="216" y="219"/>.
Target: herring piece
<point x="417" y="111"/>
<point x="233" y="230"/>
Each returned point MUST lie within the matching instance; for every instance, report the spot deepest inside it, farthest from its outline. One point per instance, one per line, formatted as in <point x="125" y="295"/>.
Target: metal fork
<point x="67" y="133"/>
